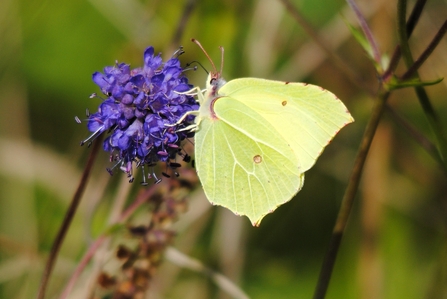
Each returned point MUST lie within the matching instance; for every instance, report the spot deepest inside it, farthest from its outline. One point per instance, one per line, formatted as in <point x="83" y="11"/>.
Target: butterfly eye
<point x="213" y="81"/>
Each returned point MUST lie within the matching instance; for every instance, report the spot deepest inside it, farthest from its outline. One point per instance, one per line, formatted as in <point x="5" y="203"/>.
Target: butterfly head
<point x="214" y="80"/>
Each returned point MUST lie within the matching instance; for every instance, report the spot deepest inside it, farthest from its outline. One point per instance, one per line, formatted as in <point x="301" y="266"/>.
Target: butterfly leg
<point x="192" y="92"/>
<point x="190" y="127"/>
<point x="196" y="91"/>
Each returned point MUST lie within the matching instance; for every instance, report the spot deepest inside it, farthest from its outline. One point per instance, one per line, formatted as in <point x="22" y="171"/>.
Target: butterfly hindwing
<point x="243" y="163"/>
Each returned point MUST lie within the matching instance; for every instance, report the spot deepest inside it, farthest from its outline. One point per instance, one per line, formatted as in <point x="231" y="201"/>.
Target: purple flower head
<point x="141" y="107"/>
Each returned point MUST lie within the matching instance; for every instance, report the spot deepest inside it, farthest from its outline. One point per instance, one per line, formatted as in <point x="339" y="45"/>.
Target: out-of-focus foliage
<point x="395" y="245"/>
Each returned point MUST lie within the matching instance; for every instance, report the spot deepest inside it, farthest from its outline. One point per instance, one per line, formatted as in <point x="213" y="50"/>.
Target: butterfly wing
<point x="243" y="163"/>
<point x="305" y="115"/>
<point x="251" y="157"/>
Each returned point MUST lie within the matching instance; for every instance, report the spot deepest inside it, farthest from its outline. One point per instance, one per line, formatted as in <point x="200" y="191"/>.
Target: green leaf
<point x="360" y="37"/>
<point x="394" y="83"/>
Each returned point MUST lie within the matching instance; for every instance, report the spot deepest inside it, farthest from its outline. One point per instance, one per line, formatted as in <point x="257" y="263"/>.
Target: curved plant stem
<point x="431" y="47"/>
<point x="82" y="264"/>
<point x="368" y="34"/>
<point x="429" y="111"/>
<point x="181" y="26"/>
<point x="348" y="198"/>
<point x="141" y="199"/>
<point x="180" y="259"/>
<point x="420" y="138"/>
<point x="67" y="220"/>
<point x="331" y="55"/>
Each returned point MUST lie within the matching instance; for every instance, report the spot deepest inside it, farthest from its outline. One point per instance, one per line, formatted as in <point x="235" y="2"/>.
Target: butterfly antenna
<point x="195" y="61"/>
<point x="209" y="58"/>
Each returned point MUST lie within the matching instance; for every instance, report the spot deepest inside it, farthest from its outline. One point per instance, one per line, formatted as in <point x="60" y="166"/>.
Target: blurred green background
<point x="395" y="244"/>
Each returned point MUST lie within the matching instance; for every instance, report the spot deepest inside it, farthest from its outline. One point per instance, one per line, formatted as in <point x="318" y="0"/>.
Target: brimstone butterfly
<point x="255" y="138"/>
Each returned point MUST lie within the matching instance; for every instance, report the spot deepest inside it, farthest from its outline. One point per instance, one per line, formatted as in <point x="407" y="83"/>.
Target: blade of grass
<point x="368" y="34"/>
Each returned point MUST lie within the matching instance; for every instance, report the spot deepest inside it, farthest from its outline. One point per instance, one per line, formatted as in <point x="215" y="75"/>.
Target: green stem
<point x="420" y="91"/>
<point x="434" y="122"/>
<point x="348" y="198"/>
<point x="411" y="24"/>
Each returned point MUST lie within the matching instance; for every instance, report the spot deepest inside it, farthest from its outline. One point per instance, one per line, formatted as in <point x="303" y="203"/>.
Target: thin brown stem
<point x="348" y="198"/>
<point x="414" y="16"/>
<point x="68" y="219"/>
<point x="431" y="47"/>
<point x="187" y="12"/>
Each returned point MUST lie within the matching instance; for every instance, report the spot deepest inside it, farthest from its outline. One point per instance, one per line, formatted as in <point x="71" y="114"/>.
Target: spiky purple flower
<point x="140" y="107"/>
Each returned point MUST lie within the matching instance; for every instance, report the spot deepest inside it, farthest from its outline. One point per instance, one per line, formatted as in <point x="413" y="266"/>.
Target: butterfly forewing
<point x="305" y="115"/>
